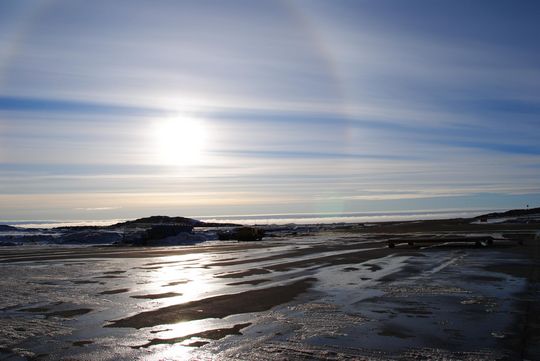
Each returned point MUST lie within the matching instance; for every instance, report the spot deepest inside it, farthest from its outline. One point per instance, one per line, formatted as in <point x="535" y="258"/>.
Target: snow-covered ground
<point x="363" y="300"/>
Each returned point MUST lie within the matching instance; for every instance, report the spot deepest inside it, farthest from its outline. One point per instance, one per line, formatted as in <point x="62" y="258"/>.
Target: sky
<point x="123" y="109"/>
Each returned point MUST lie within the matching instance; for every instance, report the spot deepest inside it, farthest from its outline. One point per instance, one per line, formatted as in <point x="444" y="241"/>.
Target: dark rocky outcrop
<point x="28" y="238"/>
<point x="243" y="234"/>
<point x="160" y="231"/>
<point x="7" y="228"/>
<point x="145" y="223"/>
<point x="164" y="220"/>
<point x="8" y="244"/>
<point x="163" y="235"/>
<point x="90" y="237"/>
<point x="159" y="220"/>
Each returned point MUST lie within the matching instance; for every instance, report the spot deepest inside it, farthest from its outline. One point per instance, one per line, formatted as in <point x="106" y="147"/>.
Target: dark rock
<point x="27" y="238"/>
<point x="90" y="237"/>
<point x="163" y="235"/>
<point x="160" y="231"/>
<point x="159" y="220"/>
<point x="182" y="238"/>
<point x="165" y="220"/>
<point x="8" y="244"/>
<point x="242" y="234"/>
<point x="6" y="228"/>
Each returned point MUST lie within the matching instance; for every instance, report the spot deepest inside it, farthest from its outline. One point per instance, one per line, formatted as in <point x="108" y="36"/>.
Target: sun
<point x="180" y="141"/>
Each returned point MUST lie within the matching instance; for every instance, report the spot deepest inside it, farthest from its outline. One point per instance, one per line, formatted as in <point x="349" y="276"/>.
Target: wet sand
<point x="156" y="296"/>
<point x="210" y="334"/>
<point x="114" y="292"/>
<point x="218" y="307"/>
<point x="333" y="294"/>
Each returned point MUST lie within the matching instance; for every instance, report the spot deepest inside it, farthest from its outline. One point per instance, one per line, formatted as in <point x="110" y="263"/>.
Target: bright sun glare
<point x="180" y="141"/>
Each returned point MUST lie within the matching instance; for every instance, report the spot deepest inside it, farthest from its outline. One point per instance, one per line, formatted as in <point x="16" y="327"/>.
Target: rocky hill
<point x="157" y="220"/>
<point x="165" y="220"/>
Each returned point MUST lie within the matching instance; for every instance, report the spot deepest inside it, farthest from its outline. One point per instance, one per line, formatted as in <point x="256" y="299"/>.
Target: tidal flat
<point x="327" y="294"/>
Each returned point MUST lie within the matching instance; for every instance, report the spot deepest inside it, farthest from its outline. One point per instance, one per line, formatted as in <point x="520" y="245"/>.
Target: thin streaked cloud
<point x="306" y="106"/>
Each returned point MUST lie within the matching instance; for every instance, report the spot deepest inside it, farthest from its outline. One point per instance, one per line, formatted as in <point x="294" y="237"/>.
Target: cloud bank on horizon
<point x="294" y="106"/>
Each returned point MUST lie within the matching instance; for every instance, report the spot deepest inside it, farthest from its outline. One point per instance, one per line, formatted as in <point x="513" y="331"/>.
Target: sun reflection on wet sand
<point x="170" y="352"/>
<point x="183" y="275"/>
<point x="187" y="278"/>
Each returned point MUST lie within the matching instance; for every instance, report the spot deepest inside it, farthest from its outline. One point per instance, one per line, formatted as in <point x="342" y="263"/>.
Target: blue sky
<point x="131" y="108"/>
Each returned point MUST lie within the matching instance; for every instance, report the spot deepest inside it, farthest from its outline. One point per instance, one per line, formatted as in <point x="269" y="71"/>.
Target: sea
<point x="282" y="218"/>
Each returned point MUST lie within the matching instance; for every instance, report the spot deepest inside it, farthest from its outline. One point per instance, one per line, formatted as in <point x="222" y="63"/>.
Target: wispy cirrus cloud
<point x="312" y="105"/>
